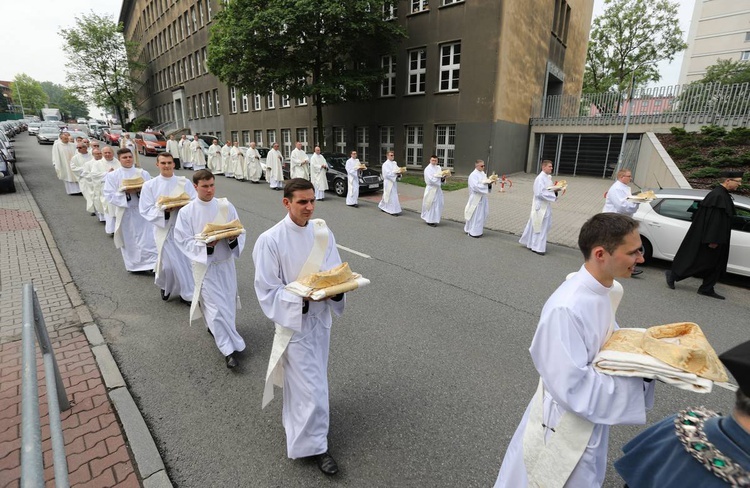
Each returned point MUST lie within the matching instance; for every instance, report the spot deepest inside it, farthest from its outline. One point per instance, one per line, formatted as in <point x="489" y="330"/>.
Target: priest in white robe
<point x="617" y="201"/>
<point x="432" y="201"/>
<point x="274" y="162"/>
<point x="534" y="235"/>
<point x="389" y="202"/>
<point x="77" y="162"/>
<point x="318" y="170"/>
<point x="226" y="159"/>
<point x="173" y="148"/>
<point x="238" y="161"/>
<point x="563" y="436"/>
<point x="254" y="168"/>
<point x="133" y="234"/>
<point x="62" y="152"/>
<point x="127" y="143"/>
<point x="352" y="179"/>
<point x="215" y="296"/>
<point x="186" y="155"/>
<point x="299" y="165"/>
<point x="477" y="208"/>
<point x="109" y="210"/>
<point x="196" y="151"/>
<point x="94" y="172"/>
<point x="294" y="248"/>
<point x="215" y="164"/>
<point x="173" y="271"/>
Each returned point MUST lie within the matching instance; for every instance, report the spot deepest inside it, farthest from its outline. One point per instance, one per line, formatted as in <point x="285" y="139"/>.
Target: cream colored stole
<point x="275" y="372"/>
<point x="200" y="269"/>
<point x="471" y="205"/>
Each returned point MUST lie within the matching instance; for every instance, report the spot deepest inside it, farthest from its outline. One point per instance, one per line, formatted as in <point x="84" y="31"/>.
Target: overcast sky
<point x="31" y="44"/>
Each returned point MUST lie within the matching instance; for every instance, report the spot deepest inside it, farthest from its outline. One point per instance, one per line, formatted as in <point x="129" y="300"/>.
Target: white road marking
<point x="353" y="251"/>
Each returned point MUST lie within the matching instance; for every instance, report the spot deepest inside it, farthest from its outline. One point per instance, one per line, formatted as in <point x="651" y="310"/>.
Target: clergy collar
<point x="201" y="202"/>
<point x="290" y="223"/>
<point x="592" y="283"/>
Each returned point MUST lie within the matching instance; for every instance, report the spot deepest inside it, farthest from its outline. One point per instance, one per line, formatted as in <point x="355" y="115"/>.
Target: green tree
<point x="66" y="99"/>
<point x="728" y="72"/>
<point x="628" y="39"/>
<point x="32" y="97"/>
<point x="4" y="107"/>
<point x="327" y="50"/>
<point x="101" y="63"/>
<point x="723" y="91"/>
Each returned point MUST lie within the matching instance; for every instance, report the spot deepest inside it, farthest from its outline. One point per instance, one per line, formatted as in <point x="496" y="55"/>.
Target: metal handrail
<point x="32" y="463"/>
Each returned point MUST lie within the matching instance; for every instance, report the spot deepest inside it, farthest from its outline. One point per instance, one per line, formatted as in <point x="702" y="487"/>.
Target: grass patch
<point x="449" y="185"/>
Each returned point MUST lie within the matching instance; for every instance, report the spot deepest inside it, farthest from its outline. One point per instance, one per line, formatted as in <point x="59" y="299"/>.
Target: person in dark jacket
<point x="704" y="251"/>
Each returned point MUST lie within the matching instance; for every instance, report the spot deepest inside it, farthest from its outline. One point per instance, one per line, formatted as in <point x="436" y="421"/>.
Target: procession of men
<point x="160" y="227"/>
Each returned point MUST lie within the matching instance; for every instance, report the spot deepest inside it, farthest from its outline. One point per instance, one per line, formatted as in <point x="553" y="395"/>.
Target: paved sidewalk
<point x="509" y="210"/>
<point x="103" y="416"/>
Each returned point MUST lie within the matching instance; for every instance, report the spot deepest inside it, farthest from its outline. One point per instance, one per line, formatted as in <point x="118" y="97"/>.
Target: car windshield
<point x="263" y="152"/>
<point x="35" y="124"/>
<point x="115" y="131"/>
<point x="49" y="130"/>
<point x="153" y="137"/>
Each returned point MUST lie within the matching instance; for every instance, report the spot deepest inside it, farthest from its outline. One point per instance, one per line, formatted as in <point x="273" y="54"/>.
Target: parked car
<point x="8" y="152"/>
<point x="150" y="143"/>
<point x="9" y="146"/>
<point x="665" y="221"/>
<point x="34" y="128"/>
<point x="48" y="134"/>
<point x="370" y="181"/>
<point x="112" y="136"/>
<point x="7" y="180"/>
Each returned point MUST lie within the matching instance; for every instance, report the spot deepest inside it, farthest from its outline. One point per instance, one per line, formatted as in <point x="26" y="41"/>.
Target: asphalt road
<point x="429" y="367"/>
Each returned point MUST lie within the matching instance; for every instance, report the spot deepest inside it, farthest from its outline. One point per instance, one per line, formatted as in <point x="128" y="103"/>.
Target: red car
<point x="112" y="136"/>
<point x="150" y="143"/>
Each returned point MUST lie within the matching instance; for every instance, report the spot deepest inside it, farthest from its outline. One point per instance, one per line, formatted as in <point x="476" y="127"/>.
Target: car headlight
<point x="361" y="180"/>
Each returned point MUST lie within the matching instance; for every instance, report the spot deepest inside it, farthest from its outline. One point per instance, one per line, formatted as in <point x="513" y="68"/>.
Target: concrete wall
<point x="655" y="168"/>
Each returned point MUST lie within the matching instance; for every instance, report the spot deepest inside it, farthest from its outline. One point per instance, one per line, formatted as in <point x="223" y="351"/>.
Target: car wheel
<point x="648" y="249"/>
<point x="14" y="168"/>
<point x="339" y="186"/>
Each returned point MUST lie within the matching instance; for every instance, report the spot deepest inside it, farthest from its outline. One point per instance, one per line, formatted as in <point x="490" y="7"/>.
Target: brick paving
<point x="96" y="448"/>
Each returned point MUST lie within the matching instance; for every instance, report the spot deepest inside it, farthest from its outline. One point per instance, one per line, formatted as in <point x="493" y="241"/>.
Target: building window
<point x="218" y="136"/>
<point x="216" y="101"/>
<point x="302" y="137"/>
<point x="186" y="18"/>
<point x="445" y="144"/>
<point x="301" y="102"/>
<point x="316" y="139"/>
<point x="245" y="103"/>
<point x="339" y="138"/>
<point x="417" y="71"/>
<point x="285" y="102"/>
<point x="192" y="65"/>
<point x="388" y="85"/>
<point x="190" y="109"/>
<point x="195" y="19"/>
<point x="271" y="136"/>
<point x="286" y="142"/>
<point x="169" y="36"/>
<point x="256" y="102"/>
<point x="451" y="2"/>
<point x="234" y="136"/>
<point x="197" y="63"/>
<point x="419" y="6"/>
<point x="245" y="137"/>
<point x="747" y="36"/>
<point x="450" y="65"/>
<point x="195" y="107"/>
<point x="745" y="56"/>
<point x="200" y="12"/>
<point x="258" y="137"/>
<point x="390" y="10"/>
<point x="270" y="101"/>
<point x="363" y="143"/>
<point x="182" y="29"/>
<point x="414" y="144"/>
<point x="208" y="9"/>
<point x="233" y="100"/>
<point x="386" y="141"/>
<point x="210" y="104"/>
<point x="203" y="105"/>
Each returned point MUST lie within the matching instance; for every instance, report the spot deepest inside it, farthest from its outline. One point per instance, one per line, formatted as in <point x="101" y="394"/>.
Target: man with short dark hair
<point x="562" y="438"/>
<point x="704" y="251"/>
<point x="432" y="201"/>
<point x="616" y="199"/>
<point x="697" y="447"/>
<point x="293" y="249"/>
<point x="534" y="236"/>
<point x="215" y="293"/>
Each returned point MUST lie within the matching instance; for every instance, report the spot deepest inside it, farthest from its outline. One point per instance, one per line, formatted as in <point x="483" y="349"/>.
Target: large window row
<point x="449" y="69"/>
<point x="191" y="66"/>
<point x="190" y="21"/>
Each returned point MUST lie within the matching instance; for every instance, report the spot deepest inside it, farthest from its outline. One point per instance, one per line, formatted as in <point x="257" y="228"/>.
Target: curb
<point x="147" y="459"/>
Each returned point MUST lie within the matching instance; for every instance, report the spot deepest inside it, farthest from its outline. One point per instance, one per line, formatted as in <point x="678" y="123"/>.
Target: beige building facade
<point x="461" y="85"/>
<point x="720" y="29"/>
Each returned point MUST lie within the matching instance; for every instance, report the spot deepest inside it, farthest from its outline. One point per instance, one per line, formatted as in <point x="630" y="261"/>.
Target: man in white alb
<point x="174" y="274"/>
<point x="62" y="152"/>
<point x="76" y="166"/>
<point x="214" y="158"/>
<point x="352" y="179"/>
<point x="534" y="235"/>
<point x="196" y="151"/>
<point x="254" y="169"/>
<point x="275" y="173"/>
<point x="134" y="236"/>
<point x="173" y="148"/>
<point x="389" y="202"/>
<point x="477" y="207"/>
<point x="215" y="294"/>
<point x="299" y="165"/>
<point x="94" y="172"/>
<point x="617" y="200"/>
<point x="238" y="161"/>
<point x="432" y="201"/>
<point x="562" y="439"/>
<point x="226" y="159"/>
<point x="318" y="170"/>
<point x="186" y="155"/>
<point x="109" y="210"/>
<point x="292" y="249"/>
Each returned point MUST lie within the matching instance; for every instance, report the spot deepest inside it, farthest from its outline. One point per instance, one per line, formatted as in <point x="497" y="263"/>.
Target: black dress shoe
<point x="539" y="253"/>
<point x="164" y="295"/>
<point x="186" y="302"/>
<point x="327" y="464"/>
<point x="670" y="279"/>
<point x="636" y="272"/>
<point x="210" y="333"/>
<point x="711" y="294"/>
<point x="356" y="205"/>
<point x="431" y="224"/>
<point x="232" y="362"/>
<point x="475" y="237"/>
